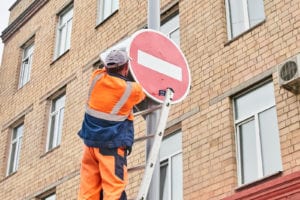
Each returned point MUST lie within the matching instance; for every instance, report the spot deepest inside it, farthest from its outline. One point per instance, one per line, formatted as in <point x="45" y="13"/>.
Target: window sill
<point x="99" y="23"/>
<point x="49" y="151"/>
<point x="256" y="182"/>
<point x="8" y="176"/>
<point x="244" y="33"/>
<point x="19" y="88"/>
<point x="59" y="57"/>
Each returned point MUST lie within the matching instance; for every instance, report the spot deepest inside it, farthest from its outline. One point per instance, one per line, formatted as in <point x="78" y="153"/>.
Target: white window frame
<point x="55" y="131"/>
<point x="167" y="160"/>
<point x="112" y="7"/>
<point x="26" y="64"/>
<point x="166" y="29"/>
<point x="254" y="115"/>
<point x="63" y="32"/>
<point x="245" y="16"/>
<point x="18" y="142"/>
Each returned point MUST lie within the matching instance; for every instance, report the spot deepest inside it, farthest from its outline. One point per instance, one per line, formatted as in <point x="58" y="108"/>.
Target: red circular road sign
<point x="157" y="64"/>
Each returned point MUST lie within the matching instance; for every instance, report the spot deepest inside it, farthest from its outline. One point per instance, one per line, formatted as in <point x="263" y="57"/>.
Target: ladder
<point x="154" y="151"/>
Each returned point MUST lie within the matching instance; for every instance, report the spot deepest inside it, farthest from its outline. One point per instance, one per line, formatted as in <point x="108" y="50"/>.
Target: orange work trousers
<point x="103" y="174"/>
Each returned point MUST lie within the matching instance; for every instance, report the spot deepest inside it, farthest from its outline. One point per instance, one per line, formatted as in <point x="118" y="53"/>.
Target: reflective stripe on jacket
<point x="108" y="118"/>
<point x="112" y="98"/>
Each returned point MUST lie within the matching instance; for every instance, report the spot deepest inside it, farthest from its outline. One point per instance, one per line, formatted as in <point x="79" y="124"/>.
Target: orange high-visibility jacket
<point x="108" y="117"/>
<point x="112" y="97"/>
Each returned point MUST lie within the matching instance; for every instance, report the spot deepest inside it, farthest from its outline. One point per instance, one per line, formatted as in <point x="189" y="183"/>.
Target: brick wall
<point x="219" y="69"/>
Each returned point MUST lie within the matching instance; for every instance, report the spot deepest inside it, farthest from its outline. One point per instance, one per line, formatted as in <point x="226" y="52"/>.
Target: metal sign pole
<point x="154" y="14"/>
<point x="152" y="119"/>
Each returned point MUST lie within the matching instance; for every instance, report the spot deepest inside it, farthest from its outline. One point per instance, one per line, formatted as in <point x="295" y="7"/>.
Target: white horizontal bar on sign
<point x="159" y="65"/>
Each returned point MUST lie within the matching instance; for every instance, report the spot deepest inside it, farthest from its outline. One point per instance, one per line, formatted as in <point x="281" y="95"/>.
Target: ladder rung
<point x="136" y="168"/>
<point x="146" y="111"/>
<point x="144" y="137"/>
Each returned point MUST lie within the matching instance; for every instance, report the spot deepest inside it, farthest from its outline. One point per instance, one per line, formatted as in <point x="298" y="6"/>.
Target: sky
<point x="4" y="15"/>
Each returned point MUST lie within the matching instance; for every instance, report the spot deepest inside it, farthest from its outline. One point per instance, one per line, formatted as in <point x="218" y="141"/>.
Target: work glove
<point x="128" y="151"/>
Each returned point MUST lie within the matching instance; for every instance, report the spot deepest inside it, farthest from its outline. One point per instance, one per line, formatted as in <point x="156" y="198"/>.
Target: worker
<point x="107" y="130"/>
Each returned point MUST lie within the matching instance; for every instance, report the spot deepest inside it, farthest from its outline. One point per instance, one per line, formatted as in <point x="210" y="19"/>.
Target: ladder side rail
<point x="153" y="155"/>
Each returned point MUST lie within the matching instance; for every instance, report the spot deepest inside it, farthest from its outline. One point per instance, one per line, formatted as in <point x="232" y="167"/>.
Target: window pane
<point x="60" y="102"/>
<point x="237" y="18"/>
<point x="177" y="184"/>
<point x="20" y="130"/>
<point x="171" y="29"/>
<point x="15" y="134"/>
<point x="64" y="31"/>
<point x="18" y="153"/>
<point x="68" y="35"/>
<point x="56" y="130"/>
<point x="60" y="125"/>
<point x="51" y="197"/>
<point x="175" y="36"/>
<point x="255" y="101"/>
<point x="26" y="66"/>
<point x="115" y="5"/>
<point x="52" y="132"/>
<point x="171" y="168"/>
<point x="65" y="17"/>
<point x="62" y="39"/>
<point x="270" y="142"/>
<point x="26" y="70"/>
<point x="256" y="11"/>
<point x="106" y="8"/>
<point x="56" y="122"/>
<point x="12" y="158"/>
<point x="15" y="148"/>
<point x="163" y="180"/>
<point x="170" y="145"/>
<point x="248" y="152"/>
<point x="54" y="106"/>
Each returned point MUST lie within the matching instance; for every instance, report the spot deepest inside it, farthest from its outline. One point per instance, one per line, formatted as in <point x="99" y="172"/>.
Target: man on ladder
<point x="107" y="130"/>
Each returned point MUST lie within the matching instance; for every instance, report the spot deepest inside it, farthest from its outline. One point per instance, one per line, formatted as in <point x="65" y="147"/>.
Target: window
<point x="242" y="15"/>
<point x="107" y="8"/>
<point x="15" y="148"/>
<point x="56" y="122"/>
<point x="171" y="183"/>
<point x="171" y="29"/>
<point x="256" y="127"/>
<point x="63" y="41"/>
<point x="50" y="197"/>
<point x="26" y="65"/>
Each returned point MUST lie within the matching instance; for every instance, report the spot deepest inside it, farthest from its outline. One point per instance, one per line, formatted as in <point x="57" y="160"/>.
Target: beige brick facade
<point x="219" y="69"/>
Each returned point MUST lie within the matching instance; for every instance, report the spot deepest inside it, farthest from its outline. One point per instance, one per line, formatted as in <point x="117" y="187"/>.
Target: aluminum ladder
<point x="154" y="151"/>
